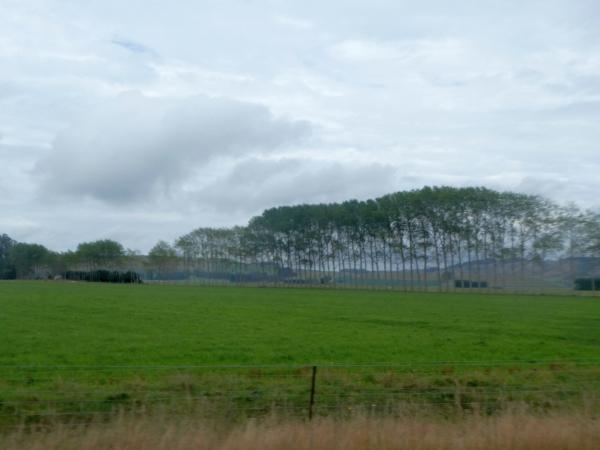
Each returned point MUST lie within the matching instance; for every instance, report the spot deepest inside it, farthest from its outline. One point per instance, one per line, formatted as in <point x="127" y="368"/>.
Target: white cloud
<point x="439" y="52"/>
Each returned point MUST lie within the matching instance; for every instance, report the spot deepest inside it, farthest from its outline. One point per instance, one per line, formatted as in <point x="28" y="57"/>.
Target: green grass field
<point x="73" y="323"/>
<point x="78" y="342"/>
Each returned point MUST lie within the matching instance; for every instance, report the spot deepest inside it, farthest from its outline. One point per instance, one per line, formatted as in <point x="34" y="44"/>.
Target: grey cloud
<point x="135" y="146"/>
<point x="576" y="185"/>
<point x="254" y="184"/>
<point x="585" y="110"/>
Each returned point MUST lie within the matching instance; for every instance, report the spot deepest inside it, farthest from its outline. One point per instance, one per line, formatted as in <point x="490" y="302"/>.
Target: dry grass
<point x="515" y="431"/>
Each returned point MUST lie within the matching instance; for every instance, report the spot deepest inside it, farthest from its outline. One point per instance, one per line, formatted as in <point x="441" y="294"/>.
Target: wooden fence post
<point x="312" y="393"/>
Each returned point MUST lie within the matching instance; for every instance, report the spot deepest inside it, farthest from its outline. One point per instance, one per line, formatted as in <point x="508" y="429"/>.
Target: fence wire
<point x="36" y="394"/>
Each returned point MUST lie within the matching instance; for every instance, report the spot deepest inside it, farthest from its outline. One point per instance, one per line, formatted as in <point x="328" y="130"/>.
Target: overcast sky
<point x="142" y="120"/>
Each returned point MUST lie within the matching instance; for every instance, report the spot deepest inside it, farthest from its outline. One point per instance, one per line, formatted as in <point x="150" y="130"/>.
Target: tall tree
<point x="101" y="254"/>
<point x="30" y="260"/>
<point x="162" y="258"/>
<point x="7" y="270"/>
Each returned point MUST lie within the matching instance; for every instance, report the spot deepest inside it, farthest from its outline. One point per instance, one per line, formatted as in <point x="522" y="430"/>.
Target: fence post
<point x="312" y="392"/>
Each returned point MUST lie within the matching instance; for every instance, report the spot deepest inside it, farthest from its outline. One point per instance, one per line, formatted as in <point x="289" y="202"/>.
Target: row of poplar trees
<point x="414" y="239"/>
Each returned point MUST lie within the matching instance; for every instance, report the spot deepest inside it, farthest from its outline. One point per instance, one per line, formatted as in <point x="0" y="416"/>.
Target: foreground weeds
<point x="514" y="430"/>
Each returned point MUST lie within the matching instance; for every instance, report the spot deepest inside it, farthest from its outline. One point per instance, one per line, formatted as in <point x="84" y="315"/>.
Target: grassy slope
<point x="68" y="323"/>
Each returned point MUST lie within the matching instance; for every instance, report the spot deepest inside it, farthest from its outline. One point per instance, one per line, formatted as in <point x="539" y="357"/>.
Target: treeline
<point x="427" y="237"/>
<point x="438" y="237"/>
<point x="34" y="261"/>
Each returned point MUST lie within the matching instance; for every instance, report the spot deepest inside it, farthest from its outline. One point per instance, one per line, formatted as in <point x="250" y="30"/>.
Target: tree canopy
<point x="102" y="253"/>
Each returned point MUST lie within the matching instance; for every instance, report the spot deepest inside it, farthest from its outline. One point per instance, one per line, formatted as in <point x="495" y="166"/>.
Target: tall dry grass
<point x="511" y="431"/>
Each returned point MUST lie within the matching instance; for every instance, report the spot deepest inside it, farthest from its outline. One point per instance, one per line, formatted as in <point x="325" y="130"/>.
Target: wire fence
<point x="36" y="394"/>
<point x="566" y="276"/>
<point x="528" y="285"/>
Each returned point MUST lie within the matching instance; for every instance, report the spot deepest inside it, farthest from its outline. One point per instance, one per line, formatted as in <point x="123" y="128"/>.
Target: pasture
<point x="100" y="324"/>
<point x="77" y="348"/>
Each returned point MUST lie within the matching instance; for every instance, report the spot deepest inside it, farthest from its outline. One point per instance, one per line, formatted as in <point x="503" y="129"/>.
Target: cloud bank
<point x="135" y="147"/>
